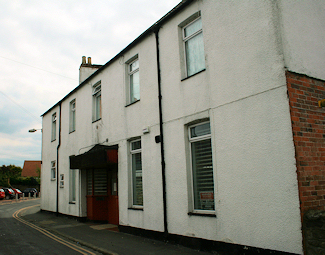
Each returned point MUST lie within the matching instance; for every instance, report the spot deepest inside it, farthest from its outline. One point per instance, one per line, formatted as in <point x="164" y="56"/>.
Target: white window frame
<point x="72" y="186"/>
<point x="193" y="140"/>
<point x="130" y="73"/>
<point x="53" y="170"/>
<point x="133" y="152"/>
<point x="97" y="94"/>
<point x="72" y="116"/>
<point x="61" y="180"/>
<point x="53" y="134"/>
<point x="188" y="38"/>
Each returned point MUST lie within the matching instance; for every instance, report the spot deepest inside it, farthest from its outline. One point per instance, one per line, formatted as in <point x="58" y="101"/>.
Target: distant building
<point x="31" y="168"/>
<point x="205" y="128"/>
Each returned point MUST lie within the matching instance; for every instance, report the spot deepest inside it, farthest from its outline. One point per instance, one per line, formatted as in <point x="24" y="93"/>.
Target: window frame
<point x="129" y="74"/>
<point x="97" y="93"/>
<point x="61" y="180"/>
<point x="53" y="170"/>
<point x="133" y="152"/>
<point x="72" y="186"/>
<point x="185" y="39"/>
<point x="53" y="130"/>
<point x="72" y="116"/>
<point x="190" y="141"/>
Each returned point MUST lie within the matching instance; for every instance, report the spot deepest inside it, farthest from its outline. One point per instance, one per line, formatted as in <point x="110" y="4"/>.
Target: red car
<point x="17" y="191"/>
<point x="2" y="194"/>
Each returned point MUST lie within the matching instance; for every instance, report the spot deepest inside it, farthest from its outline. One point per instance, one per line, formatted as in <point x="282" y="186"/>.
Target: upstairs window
<point x="202" y="169"/>
<point x="53" y="135"/>
<point x="136" y="172"/>
<point x="72" y="120"/>
<point x="97" y="101"/>
<point x="193" y="47"/>
<point x="134" y="81"/>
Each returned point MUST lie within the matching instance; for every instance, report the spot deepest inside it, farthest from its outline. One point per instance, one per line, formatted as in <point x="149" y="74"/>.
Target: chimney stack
<point x="86" y="69"/>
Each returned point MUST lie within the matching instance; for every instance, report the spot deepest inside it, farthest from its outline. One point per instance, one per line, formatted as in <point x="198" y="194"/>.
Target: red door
<point x="113" y="212"/>
<point x="102" y="196"/>
<point x="97" y="194"/>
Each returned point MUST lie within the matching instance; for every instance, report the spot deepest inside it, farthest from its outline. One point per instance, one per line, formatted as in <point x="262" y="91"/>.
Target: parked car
<point x="18" y="192"/>
<point x="2" y="194"/>
<point x="31" y="191"/>
<point x="10" y="194"/>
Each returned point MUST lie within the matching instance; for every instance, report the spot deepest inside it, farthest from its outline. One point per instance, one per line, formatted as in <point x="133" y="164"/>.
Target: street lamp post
<point x="34" y="130"/>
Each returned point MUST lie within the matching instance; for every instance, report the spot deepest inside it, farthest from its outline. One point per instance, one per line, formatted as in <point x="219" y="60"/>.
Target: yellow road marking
<point x="49" y="234"/>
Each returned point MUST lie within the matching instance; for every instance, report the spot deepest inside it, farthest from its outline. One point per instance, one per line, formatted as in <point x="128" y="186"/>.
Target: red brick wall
<point x="308" y="127"/>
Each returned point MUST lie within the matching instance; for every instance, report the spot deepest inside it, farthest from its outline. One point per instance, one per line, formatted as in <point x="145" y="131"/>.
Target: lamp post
<point x="34" y="130"/>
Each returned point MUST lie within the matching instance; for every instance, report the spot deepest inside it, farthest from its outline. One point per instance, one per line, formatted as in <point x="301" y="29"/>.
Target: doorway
<point x="102" y="195"/>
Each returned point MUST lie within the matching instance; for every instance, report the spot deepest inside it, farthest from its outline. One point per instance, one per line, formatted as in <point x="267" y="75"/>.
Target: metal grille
<point x="100" y="182"/>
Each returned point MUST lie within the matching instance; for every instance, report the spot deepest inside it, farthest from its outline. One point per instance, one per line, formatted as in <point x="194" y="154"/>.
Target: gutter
<point x="163" y="164"/>
<point x="57" y="164"/>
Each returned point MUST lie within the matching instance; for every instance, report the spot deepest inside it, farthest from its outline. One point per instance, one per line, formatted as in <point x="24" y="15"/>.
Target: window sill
<point x="53" y="140"/>
<point x="193" y="75"/>
<point x="72" y="203"/>
<point x="53" y="179"/>
<point x="72" y="131"/>
<point x="136" y="208"/>
<point x="96" y="120"/>
<point x="132" y="103"/>
<point x="202" y="214"/>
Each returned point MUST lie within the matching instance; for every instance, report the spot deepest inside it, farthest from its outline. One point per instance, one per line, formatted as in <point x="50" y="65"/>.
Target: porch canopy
<point x="100" y="156"/>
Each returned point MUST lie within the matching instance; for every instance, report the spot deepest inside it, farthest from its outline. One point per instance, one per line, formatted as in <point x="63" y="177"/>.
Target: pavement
<point x="103" y="238"/>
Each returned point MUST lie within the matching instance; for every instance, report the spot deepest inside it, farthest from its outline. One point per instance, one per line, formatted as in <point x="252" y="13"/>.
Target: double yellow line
<point x="50" y="235"/>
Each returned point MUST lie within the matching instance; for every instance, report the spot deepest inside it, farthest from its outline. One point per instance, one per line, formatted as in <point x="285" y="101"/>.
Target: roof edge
<point x="180" y="6"/>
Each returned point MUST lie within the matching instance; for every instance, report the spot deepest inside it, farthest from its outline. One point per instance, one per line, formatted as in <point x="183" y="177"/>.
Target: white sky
<point x="41" y="46"/>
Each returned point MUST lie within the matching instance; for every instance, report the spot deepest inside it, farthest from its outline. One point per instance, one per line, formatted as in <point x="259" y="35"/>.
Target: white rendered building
<point x="187" y="132"/>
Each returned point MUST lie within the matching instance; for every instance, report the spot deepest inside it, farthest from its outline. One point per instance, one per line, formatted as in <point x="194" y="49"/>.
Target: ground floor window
<point x="72" y="186"/>
<point x="201" y="166"/>
<point x="53" y="170"/>
<point x="136" y="173"/>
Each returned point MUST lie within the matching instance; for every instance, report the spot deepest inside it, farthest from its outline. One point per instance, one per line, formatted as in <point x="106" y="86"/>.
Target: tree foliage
<point x="9" y="172"/>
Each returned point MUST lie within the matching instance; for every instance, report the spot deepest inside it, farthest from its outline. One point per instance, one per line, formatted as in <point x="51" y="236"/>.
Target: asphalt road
<point x="20" y="237"/>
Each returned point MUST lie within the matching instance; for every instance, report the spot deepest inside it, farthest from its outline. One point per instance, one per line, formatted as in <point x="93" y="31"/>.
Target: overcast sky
<point x="41" y="46"/>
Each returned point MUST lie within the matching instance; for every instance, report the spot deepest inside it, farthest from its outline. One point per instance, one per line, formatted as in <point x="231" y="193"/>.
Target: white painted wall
<point x="303" y="36"/>
<point x="118" y="124"/>
<point x="242" y="91"/>
<point x="48" y="186"/>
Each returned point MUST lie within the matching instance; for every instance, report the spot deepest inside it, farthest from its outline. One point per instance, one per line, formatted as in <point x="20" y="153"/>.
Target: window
<point x="136" y="172"/>
<point x="53" y="136"/>
<point x="134" y="80"/>
<point x="72" y="120"/>
<point x="72" y="186"/>
<point x="97" y="101"/>
<point x="53" y="171"/>
<point x="201" y="165"/>
<point x="61" y="180"/>
<point x="193" y="47"/>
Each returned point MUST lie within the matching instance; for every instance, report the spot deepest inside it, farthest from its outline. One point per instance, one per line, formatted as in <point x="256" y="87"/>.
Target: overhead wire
<point x="28" y="112"/>
<point x="38" y="68"/>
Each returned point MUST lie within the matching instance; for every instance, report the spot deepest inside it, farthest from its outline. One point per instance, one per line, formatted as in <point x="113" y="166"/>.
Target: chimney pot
<point x="83" y="60"/>
<point x="89" y="60"/>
